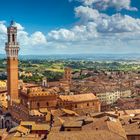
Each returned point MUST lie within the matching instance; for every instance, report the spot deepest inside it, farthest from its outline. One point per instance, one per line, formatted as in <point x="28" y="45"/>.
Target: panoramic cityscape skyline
<point x="73" y="26"/>
<point x="70" y="70"/>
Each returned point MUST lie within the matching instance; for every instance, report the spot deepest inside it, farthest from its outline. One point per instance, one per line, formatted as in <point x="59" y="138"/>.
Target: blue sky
<point x="39" y="14"/>
<point x="73" y="26"/>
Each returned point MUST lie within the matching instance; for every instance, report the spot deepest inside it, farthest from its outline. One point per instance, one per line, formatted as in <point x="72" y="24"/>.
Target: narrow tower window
<point x="13" y="37"/>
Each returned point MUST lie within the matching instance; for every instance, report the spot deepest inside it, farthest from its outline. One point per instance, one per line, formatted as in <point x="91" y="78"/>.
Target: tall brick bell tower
<point x="12" y="49"/>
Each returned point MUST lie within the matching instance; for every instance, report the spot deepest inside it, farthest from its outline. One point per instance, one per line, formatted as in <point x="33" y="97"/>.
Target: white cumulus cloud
<point x="38" y="38"/>
<point x="62" y="34"/>
<point x="96" y="30"/>
<point x="105" y="4"/>
<point x="105" y="23"/>
<point x="27" y="41"/>
<point x="87" y="13"/>
<point x="94" y="24"/>
<point x="77" y="33"/>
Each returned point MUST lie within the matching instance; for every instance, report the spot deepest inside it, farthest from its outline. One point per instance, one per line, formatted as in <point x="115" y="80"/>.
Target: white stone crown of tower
<point x="12" y="46"/>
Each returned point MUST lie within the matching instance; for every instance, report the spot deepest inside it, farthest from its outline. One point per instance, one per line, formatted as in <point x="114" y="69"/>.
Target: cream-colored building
<point x="109" y="97"/>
